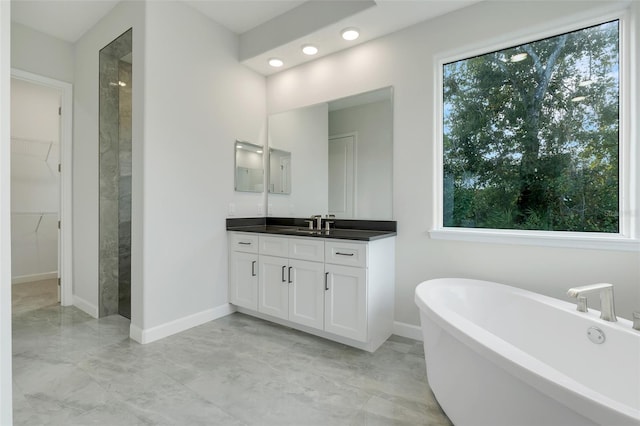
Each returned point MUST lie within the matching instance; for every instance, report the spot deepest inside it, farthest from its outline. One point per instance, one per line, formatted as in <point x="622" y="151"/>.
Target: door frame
<point x="65" y="183"/>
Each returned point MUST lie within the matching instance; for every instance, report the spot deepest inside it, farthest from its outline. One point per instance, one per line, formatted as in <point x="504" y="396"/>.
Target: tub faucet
<point x="607" y="308"/>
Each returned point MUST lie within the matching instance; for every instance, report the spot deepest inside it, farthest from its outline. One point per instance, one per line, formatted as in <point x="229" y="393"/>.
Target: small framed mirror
<point x="249" y="176"/>
<point x="279" y="171"/>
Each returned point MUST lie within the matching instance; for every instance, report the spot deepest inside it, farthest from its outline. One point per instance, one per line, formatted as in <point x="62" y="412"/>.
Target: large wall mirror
<point x="249" y="176"/>
<point x="340" y="158"/>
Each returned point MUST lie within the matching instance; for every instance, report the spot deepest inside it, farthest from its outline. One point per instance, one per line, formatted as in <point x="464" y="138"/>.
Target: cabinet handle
<point x="253" y="268"/>
<point x="283" y="279"/>
<point x="343" y="254"/>
<point x="326" y="281"/>
<point x="290" y="268"/>
<point x="244" y="243"/>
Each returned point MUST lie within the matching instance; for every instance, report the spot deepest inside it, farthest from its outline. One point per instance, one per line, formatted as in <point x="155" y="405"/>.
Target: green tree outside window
<point x="531" y="135"/>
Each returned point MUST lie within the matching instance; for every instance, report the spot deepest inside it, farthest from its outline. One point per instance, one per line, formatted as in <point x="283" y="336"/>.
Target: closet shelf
<point x="33" y="213"/>
<point x="32" y="147"/>
<point x="38" y="215"/>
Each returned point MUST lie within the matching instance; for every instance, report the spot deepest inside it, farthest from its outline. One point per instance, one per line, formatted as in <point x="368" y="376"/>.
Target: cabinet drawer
<point x="306" y="249"/>
<point x="344" y="253"/>
<point x="247" y="243"/>
<point x="274" y="246"/>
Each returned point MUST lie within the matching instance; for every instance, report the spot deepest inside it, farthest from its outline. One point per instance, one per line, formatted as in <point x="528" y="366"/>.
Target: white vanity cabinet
<point x="359" y="296"/>
<point x="306" y="293"/>
<point x="243" y="270"/>
<point x="345" y="302"/>
<point x="342" y="290"/>
<point x="290" y="287"/>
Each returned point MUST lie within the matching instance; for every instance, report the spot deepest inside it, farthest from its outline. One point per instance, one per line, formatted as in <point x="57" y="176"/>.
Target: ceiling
<point x="66" y="20"/>
<point x="241" y="16"/>
<point x="267" y="28"/>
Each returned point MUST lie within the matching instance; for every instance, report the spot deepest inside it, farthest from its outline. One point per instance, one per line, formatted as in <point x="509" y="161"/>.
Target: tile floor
<point x="71" y="369"/>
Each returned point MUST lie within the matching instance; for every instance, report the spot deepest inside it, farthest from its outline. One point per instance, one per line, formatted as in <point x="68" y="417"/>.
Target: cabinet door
<point x="346" y="302"/>
<point x="243" y="289"/>
<point x="274" y="287"/>
<point x="306" y="293"/>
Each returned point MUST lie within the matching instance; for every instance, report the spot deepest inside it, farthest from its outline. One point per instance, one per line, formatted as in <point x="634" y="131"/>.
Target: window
<point x="530" y="136"/>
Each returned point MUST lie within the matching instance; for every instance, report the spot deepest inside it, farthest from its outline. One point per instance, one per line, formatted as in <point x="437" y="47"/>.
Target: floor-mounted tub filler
<point x="499" y="355"/>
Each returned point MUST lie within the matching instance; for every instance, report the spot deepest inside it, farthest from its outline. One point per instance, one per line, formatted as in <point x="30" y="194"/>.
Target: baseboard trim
<point x="158" y="332"/>
<point x="20" y="279"/>
<point x="85" y="306"/>
<point x="407" y="330"/>
<point x="135" y="333"/>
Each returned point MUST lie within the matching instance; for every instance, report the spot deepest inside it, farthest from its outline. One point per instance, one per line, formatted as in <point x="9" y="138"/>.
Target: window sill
<point x="576" y="240"/>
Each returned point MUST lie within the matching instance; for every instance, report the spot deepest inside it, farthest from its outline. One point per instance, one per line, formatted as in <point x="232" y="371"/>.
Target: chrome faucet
<point x="327" y="222"/>
<point x="318" y="219"/>
<point x="607" y="308"/>
<point x="636" y="320"/>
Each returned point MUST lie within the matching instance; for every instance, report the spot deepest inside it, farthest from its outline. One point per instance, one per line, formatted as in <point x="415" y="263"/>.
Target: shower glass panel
<point x="115" y="177"/>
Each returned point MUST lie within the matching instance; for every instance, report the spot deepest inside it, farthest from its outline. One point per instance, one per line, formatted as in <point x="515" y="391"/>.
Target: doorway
<point x="40" y="190"/>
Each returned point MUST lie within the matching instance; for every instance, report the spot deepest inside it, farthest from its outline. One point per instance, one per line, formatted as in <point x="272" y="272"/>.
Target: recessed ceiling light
<point x="259" y="151"/>
<point x="350" y="34"/>
<point x="275" y="62"/>
<point x="519" y="57"/>
<point x="578" y="98"/>
<point x="309" y="49"/>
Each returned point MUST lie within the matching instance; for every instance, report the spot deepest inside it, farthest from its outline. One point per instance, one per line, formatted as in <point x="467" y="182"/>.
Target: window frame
<point x="628" y="238"/>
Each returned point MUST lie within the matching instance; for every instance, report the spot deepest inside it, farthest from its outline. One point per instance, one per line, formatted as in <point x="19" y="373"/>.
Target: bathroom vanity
<point x="337" y="284"/>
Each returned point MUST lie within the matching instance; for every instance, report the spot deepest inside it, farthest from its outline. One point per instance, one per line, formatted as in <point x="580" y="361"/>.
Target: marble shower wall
<point x="124" y="193"/>
<point x="115" y="178"/>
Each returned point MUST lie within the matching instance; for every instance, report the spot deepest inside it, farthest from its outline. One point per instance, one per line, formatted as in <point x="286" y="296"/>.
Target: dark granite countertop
<point x="357" y="230"/>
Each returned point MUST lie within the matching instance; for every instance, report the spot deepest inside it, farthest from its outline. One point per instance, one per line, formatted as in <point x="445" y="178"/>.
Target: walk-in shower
<point x="114" y="277"/>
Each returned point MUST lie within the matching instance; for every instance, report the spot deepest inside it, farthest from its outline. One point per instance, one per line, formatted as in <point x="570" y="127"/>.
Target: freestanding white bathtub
<point x="498" y="355"/>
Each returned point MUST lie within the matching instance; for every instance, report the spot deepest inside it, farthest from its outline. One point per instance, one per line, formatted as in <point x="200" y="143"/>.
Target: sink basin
<point x="309" y="231"/>
<point x="292" y="229"/>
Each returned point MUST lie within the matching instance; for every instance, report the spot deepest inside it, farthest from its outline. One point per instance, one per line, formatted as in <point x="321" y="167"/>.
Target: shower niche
<point x="115" y="125"/>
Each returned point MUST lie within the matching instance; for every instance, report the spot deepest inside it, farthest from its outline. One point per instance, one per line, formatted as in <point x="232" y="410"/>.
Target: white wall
<point x="35" y="131"/>
<point x="304" y="133"/>
<point x="373" y="123"/>
<point x="34" y="111"/>
<point x="198" y="100"/>
<point x="405" y="60"/>
<point x="40" y="53"/>
<point x="5" y="211"/>
<point x="186" y="119"/>
<point x="85" y="154"/>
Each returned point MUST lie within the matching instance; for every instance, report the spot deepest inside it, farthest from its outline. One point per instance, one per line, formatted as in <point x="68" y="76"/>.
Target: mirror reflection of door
<point x="279" y="171"/>
<point x="285" y="174"/>
<point x="342" y="176"/>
